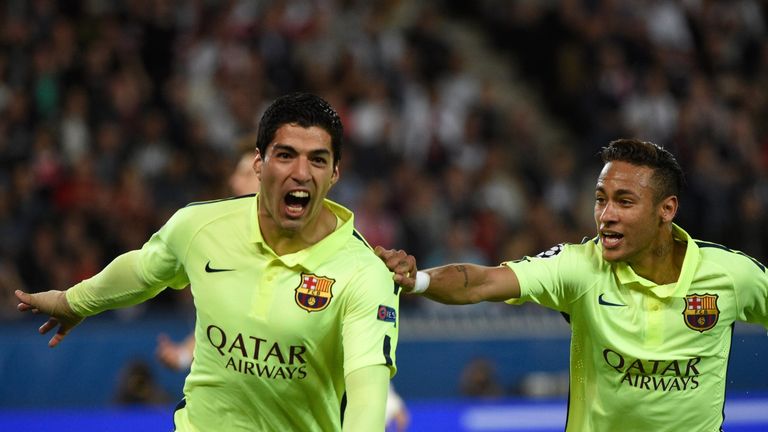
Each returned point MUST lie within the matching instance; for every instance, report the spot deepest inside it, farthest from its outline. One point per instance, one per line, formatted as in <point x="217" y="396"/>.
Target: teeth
<point x="299" y="194"/>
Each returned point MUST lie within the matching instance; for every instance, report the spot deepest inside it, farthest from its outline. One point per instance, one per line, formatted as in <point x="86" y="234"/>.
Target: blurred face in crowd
<point x="296" y="173"/>
<point x="628" y="215"/>
<point x="244" y="180"/>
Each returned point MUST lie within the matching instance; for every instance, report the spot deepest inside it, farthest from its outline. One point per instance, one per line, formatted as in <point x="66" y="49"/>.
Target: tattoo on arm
<point x="463" y="269"/>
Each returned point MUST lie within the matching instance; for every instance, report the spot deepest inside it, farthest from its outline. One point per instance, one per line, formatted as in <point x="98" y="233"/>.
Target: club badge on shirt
<point x="701" y="312"/>
<point x="314" y="292"/>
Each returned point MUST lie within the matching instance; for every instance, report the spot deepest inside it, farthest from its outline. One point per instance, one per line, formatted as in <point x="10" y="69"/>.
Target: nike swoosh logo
<point x="209" y="269"/>
<point x="607" y="303"/>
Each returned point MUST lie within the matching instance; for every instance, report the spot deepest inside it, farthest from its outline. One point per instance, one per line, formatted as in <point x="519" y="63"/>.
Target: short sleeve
<point x="371" y="319"/>
<point x="751" y="289"/>
<point x="550" y="278"/>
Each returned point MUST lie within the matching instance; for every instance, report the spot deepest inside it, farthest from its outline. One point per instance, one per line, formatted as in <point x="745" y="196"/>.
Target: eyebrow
<point x="617" y="192"/>
<point x="290" y="148"/>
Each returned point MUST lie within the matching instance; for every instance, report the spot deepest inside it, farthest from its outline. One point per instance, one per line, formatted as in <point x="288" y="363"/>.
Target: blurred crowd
<point x="115" y="114"/>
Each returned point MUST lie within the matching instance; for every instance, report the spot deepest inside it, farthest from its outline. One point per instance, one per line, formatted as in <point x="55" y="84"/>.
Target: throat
<point x="288" y="241"/>
<point x="664" y="264"/>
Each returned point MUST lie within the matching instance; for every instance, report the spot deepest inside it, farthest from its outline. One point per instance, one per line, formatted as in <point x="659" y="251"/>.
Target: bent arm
<point x="471" y="283"/>
<point x="367" y="390"/>
<point x="119" y="284"/>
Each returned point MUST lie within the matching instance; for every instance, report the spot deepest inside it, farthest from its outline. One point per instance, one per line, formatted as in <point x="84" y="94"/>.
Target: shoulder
<point x="198" y="214"/>
<point x="587" y="250"/>
<point x="568" y="261"/>
<point x="203" y="209"/>
<point x="223" y="203"/>
<point x="358" y="250"/>
<point x="357" y="261"/>
<point x="727" y="259"/>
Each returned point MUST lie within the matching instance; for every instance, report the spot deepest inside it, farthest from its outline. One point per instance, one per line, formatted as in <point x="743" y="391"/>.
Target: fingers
<point x="60" y="333"/>
<point x="54" y="304"/>
<point x="48" y="326"/>
<point x="401" y="264"/>
<point x="405" y="282"/>
<point x="396" y="260"/>
<point x="58" y="337"/>
<point x="25" y="301"/>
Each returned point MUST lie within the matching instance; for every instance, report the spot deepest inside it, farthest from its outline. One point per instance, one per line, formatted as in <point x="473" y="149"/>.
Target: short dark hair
<point x="305" y="110"/>
<point x="667" y="174"/>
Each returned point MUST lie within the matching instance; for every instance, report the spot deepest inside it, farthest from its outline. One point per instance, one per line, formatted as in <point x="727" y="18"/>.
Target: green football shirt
<point x="647" y="357"/>
<point x="275" y="335"/>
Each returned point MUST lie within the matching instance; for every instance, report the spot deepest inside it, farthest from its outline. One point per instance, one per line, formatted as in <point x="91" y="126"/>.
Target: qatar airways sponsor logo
<point x="655" y="375"/>
<point x="252" y="355"/>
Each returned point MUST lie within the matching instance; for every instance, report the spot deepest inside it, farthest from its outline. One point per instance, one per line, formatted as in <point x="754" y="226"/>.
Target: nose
<point x="301" y="170"/>
<point x="607" y="213"/>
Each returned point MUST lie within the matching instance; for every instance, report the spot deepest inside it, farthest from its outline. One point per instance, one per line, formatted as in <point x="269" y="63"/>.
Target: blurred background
<point x="471" y="135"/>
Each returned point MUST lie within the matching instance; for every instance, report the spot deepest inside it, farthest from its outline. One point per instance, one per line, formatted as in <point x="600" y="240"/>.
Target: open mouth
<point x="296" y="202"/>
<point x="611" y="239"/>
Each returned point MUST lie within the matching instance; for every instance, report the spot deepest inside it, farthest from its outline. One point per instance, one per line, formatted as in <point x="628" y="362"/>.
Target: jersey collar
<point x="627" y="276"/>
<point x="309" y="258"/>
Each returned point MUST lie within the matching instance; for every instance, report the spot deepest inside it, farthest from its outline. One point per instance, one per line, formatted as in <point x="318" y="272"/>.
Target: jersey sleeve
<point x="371" y="319"/>
<point x="751" y="290"/>
<point x="160" y="263"/>
<point x="131" y="278"/>
<point x="549" y="278"/>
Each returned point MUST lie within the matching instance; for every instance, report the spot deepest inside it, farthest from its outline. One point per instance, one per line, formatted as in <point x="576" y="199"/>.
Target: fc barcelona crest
<point x="314" y="292"/>
<point x="701" y="312"/>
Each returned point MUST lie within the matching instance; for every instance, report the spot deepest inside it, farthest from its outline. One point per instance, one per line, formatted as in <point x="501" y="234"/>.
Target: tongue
<point x="294" y="209"/>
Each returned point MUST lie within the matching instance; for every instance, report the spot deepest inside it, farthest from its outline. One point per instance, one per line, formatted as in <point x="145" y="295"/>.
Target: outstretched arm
<point x="120" y="284"/>
<point x="453" y="283"/>
<point x="54" y="304"/>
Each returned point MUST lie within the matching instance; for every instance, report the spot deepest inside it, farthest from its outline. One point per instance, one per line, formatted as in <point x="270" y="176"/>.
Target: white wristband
<point x="422" y="282"/>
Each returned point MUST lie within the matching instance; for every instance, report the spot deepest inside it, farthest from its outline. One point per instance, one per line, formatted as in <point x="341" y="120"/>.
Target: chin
<point x="292" y="225"/>
<point x="612" y="256"/>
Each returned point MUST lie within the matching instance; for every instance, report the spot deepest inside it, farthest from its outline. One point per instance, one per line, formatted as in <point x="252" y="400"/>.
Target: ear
<point x="335" y="175"/>
<point x="668" y="208"/>
<point x="257" y="163"/>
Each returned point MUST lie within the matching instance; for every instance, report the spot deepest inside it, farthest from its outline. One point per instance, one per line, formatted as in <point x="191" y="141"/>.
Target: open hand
<point x="54" y="304"/>
<point x="401" y="264"/>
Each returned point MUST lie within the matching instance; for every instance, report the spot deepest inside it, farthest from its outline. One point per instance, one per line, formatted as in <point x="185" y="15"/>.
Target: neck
<point x="286" y="241"/>
<point x="663" y="262"/>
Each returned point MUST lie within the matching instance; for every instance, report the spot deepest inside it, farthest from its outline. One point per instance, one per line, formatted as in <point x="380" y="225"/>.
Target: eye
<point x="599" y="200"/>
<point x="319" y="161"/>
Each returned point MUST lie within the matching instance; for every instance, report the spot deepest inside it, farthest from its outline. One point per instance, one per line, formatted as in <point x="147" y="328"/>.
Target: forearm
<point x="471" y="283"/>
<point x="119" y="284"/>
<point x="454" y="283"/>
<point x="366" y="399"/>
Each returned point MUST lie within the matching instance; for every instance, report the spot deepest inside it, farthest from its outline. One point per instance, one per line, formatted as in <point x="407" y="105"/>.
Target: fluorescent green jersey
<point x="275" y="335"/>
<point x="647" y="357"/>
